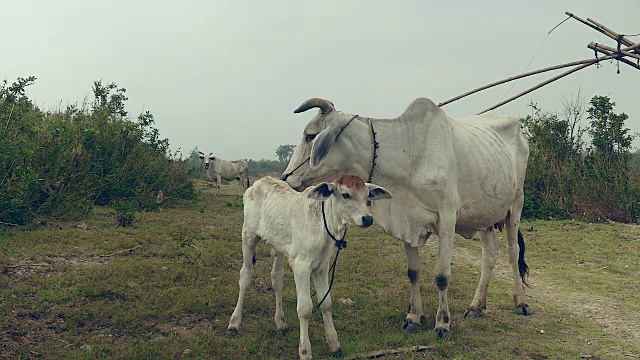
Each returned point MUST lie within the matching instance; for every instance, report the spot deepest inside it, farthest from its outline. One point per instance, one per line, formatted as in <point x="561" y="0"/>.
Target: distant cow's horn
<point x="201" y="153"/>
<point x="325" y="106"/>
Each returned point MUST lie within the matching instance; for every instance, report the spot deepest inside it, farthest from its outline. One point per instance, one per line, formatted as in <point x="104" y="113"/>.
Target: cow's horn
<point x="325" y="106"/>
<point x="201" y="153"/>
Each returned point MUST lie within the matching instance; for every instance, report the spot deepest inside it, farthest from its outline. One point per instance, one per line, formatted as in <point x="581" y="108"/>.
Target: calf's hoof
<point x="472" y="313"/>
<point x="442" y="333"/>
<point x="409" y="326"/>
<point x="337" y="353"/>
<point x="232" y="332"/>
<point x="523" y="309"/>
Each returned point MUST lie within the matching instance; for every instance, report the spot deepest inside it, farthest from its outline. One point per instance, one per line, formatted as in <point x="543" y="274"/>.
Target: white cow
<point x="218" y="169"/>
<point x="305" y="228"/>
<point x="447" y="175"/>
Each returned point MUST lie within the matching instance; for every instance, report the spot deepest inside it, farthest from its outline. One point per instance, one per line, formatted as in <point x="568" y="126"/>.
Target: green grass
<point x="69" y="291"/>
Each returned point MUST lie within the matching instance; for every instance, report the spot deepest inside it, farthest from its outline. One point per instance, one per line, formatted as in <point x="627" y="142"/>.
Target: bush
<point x="60" y="164"/>
<point x="565" y="180"/>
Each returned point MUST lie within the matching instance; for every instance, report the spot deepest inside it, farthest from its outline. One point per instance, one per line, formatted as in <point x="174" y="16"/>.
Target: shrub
<point x="59" y="164"/>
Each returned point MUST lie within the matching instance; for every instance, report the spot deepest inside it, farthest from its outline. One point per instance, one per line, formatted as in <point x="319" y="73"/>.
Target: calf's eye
<point x="310" y="137"/>
<point x="346" y="196"/>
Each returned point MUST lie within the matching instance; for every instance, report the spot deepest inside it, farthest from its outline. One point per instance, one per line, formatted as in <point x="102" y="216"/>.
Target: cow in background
<point x="219" y="169"/>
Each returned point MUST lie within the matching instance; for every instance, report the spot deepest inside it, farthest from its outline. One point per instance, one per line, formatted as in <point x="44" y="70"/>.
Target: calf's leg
<point x="249" y="243"/>
<point x="277" y="276"/>
<point x="302" y="276"/>
<point x="321" y="282"/>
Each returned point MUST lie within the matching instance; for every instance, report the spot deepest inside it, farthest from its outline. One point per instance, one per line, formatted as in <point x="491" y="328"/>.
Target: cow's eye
<point x="346" y="196"/>
<point x="309" y="137"/>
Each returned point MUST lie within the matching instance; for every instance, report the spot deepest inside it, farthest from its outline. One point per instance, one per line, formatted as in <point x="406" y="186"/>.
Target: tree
<point x="610" y="137"/>
<point x="284" y="152"/>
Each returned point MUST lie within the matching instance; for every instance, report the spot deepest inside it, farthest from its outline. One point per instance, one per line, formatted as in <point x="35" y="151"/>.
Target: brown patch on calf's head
<point x="351" y="181"/>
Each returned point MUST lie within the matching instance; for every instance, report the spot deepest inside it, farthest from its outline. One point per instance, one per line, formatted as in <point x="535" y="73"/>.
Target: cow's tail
<point x="522" y="265"/>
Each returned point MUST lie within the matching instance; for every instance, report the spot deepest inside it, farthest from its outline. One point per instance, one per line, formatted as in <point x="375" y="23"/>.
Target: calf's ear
<point x="322" y="144"/>
<point x="321" y="191"/>
<point x="378" y="192"/>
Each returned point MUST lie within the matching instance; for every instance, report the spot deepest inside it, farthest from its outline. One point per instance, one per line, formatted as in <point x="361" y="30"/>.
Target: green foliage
<point x="264" y="167"/>
<point x="125" y="212"/>
<point x="610" y="137"/>
<point x="59" y="164"/>
<point x="284" y="153"/>
<point x="565" y="180"/>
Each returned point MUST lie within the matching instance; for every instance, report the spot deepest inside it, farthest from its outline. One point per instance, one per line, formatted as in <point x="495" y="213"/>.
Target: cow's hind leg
<point x="321" y="282"/>
<point x="249" y="242"/>
<point x="277" y="276"/>
<point x="415" y="318"/>
<point x="515" y="249"/>
<point x="489" y="254"/>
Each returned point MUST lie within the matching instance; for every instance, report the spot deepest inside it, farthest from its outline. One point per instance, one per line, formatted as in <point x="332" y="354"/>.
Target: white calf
<point x="302" y="227"/>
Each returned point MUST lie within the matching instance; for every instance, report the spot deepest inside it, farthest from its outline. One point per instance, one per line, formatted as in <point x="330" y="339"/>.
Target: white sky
<point x="225" y="76"/>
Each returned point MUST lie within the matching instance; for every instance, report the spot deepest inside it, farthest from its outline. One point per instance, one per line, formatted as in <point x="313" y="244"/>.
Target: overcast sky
<point x="225" y="76"/>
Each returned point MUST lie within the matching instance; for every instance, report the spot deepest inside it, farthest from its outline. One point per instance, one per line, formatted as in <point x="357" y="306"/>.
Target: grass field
<point x="165" y="289"/>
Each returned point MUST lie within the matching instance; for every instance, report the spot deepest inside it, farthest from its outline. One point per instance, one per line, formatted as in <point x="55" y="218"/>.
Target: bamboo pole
<point x="546" y="82"/>
<point x="614" y="54"/>
<point x="615" y="34"/>
<point x="599" y="29"/>
<point x="593" y="45"/>
<point x="556" y="67"/>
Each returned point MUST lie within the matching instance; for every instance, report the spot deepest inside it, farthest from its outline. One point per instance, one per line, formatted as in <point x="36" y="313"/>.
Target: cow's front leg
<point x="218" y="180"/>
<point x="277" y="276"/>
<point x="489" y="254"/>
<point x="302" y="277"/>
<point x="415" y="318"/>
<point x="321" y="282"/>
<point x="443" y="278"/>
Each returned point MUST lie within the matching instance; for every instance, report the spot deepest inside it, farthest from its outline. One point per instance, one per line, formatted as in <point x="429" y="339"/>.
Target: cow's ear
<point x="322" y="144"/>
<point x="321" y="191"/>
<point x="378" y="192"/>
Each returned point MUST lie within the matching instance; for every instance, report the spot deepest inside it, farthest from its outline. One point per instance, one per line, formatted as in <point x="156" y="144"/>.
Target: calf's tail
<point x="522" y="265"/>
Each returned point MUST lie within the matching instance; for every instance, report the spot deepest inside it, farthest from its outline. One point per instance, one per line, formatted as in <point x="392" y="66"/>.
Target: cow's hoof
<point x="523" y="309"/>
<point x="472" y="313"/>
<point x="410" y="327"/>
<point x="442" y="333"/>
<point x="337" y="353"/>
<point x="232" y="332"/>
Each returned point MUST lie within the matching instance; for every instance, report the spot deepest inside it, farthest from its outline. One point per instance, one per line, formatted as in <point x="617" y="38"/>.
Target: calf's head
<point x="349" y="196"/>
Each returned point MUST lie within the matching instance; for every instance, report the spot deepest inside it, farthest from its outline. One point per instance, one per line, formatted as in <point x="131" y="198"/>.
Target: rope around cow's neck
<point x="374" y="155"/>
<point x="340" y="244"/>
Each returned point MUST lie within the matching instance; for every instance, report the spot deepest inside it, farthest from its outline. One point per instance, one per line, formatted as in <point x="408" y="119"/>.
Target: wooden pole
<point x="556" y="67"/>
<point x="597" y="28"/>
<point x="546" y="82"/>
<point x="593" y="46"/>
<point x="615" y="34"/>
<point x="598" y="48"/>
